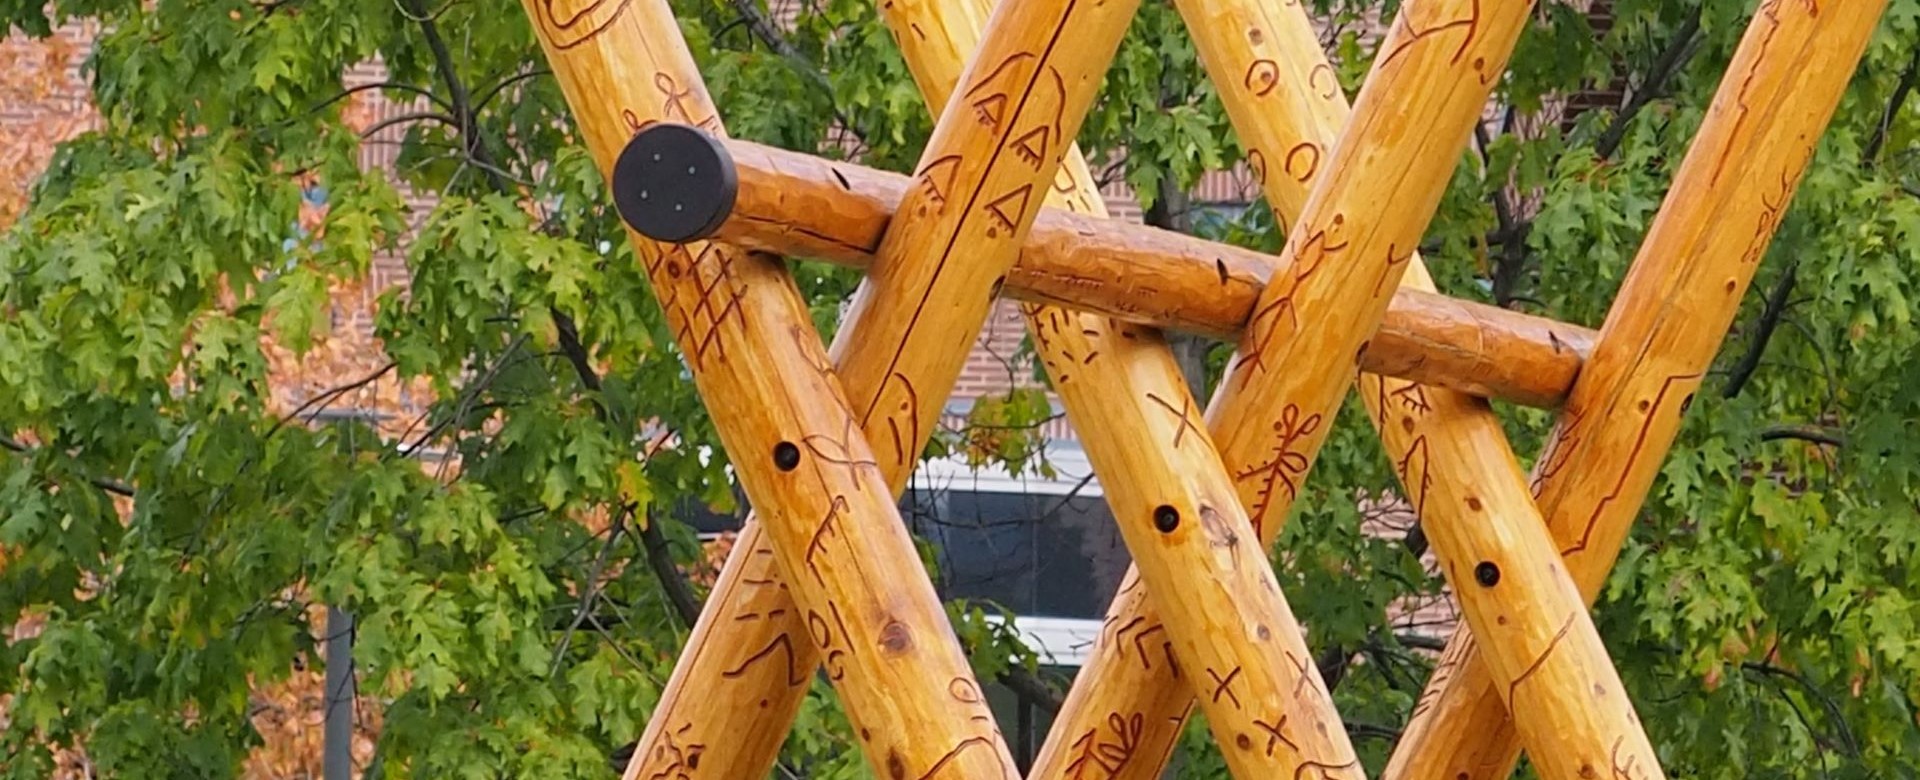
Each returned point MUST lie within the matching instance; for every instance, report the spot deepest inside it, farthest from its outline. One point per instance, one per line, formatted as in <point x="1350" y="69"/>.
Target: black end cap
<point x="674" y="183"/>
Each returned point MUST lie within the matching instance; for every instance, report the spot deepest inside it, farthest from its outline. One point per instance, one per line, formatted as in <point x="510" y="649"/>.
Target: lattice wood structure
<point x="824" y="438"/>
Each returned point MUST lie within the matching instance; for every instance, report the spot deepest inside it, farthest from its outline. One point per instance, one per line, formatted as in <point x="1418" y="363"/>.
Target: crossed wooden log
<point x="823" y="438"/>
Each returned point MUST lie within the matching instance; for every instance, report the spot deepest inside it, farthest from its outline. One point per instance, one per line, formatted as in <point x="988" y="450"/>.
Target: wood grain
<point x="1448" y="449"/>
<point x="804" y="206"/>
<point x="1342" y="262"/>
<point x="859" y="595"/>
<point x="993" y="156"/>
<point x="1677" y="302"/>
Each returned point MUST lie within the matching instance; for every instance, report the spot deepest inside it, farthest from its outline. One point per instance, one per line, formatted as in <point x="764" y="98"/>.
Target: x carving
<point x="1197" y="504"/>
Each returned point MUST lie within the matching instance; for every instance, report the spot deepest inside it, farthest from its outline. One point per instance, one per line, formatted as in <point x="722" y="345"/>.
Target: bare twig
<point x="415" y="116"/>
<point x="1031" y="689"/>
<point x="1763" y="332"/>
<point x="660" y="559"/>
<point x="495" y="90"/>
<point x="1898" y="101"/>
<point x="392" y="85"/>
<point x="589" y="593"/>
<point x="1679" y="49"/>
<point x="325" y="399"/>
<point x="1818" y="434"/>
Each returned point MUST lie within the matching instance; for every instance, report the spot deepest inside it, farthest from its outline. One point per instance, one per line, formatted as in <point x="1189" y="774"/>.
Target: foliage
<point x="167" y="516"/>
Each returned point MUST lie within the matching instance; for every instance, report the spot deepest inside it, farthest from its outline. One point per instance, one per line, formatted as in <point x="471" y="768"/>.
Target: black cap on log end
<point x="674" y="183"/>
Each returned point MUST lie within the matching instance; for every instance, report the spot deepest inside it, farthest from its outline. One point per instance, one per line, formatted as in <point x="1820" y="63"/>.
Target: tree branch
<point x="495" y="90"/>
<point x="1513" y="247"/>
<point x="672" y="580"/>
<point x="1763" y="333"/>
<point x="1899" y="99"/>
<point x="764" y="29"/>
<point x="1679" y="49"/>
<point x="402" y="119"/>
<point x="1818" y="434"/>
<point x="589" y="592"/>
<point x="392" y="85"/>
<point x="117" y="488"/>
<point x="1031" y="689"/>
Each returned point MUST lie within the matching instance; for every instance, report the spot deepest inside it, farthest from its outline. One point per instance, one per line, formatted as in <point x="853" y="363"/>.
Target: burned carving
<point x="570" y="23"/>
<point x="1408" y="31"/>
<point x="1303" y="160"/>
<point x="1184" y="415"/>
<point x="1102" y="754"/>
<point x="1263" y="75"/>
<point x="1288" y="463"/>
<point x="1223" y="686"/>
<point x="781" y="645"/>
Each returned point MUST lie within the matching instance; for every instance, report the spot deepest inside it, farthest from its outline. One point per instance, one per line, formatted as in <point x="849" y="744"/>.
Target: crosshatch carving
<point x="827" y="579"/>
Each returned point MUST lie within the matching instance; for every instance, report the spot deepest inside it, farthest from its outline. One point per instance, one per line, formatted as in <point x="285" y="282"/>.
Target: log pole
<point x="981" y="181"/>
<point x="804" y="206"/>
<point x="867" y="604"/>
<point x="1299" y="353"/>
<point x="1448" y="449"/>
<point x="1227" y="623"/>
<point x="1674" y="307"/>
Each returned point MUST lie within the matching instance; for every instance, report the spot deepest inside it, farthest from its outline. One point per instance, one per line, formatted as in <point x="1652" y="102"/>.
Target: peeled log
<point x="1665" y="326"/>
<point x="804" y="206"/>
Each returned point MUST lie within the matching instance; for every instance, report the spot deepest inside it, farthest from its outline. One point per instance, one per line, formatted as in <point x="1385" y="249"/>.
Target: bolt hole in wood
<point x="1487" y="574"/>
<point x="1166" y="518"/>
<point x="786" y="456"/>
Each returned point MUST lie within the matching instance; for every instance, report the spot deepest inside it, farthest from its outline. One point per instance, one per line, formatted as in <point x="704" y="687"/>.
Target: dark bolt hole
<point x="786" y="456"/>
<point x="1487" y="574"/>
<point x="1166" y="518"/>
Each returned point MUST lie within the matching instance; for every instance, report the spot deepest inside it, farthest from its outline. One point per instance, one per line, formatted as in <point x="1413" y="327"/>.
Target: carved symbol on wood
<point x="936" y="180"/>
<point x="828" y="641"/>
<point x="675" y="761"/>
<point x="1106" y="755"/>
<point x="1649" y="411"/>
<point x="988" y="96"/>
<point x="1184" y="415"/>
<point x="1316" y="770"/>
<point x="1387" y="270"/>
<point x="965" y="745"/>
<point x="1262" y="76"/>
<point x="839" y="451"/>
<point x="1539" y="661"/>
<point x="1276" y="735"/>
<point x="1303" y="160"/>
<point x="1287" y="465"/>
<point x="708" y="276"/>
<point x="1324" y="82"/>
<point x="678" y="104"/>
<point x="1007" y="210"/>
<point x="1409" y="31"/>
<point x="1139" y="641"/>
<point x="782" y="644"/>
<point x="1224" y="686"/>
<point x="569" y="23"/>
<point x="829" y="527"/>
<point x="1416" y="474"/>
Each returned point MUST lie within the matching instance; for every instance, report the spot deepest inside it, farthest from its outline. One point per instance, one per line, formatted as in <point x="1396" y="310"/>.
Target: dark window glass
<point x="1057" y="556"/>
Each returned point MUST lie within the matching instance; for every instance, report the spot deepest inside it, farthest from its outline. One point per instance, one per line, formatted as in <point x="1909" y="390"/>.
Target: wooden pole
<point x="1435" y="72"/>
<point x="745" y="332"/>
<point x="1173" y="500"/>
<point x="1449" y="450"/>
<point x="804" y="206"/>
<point x="992" y="159"/>
<point x="1660" y="337"/>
